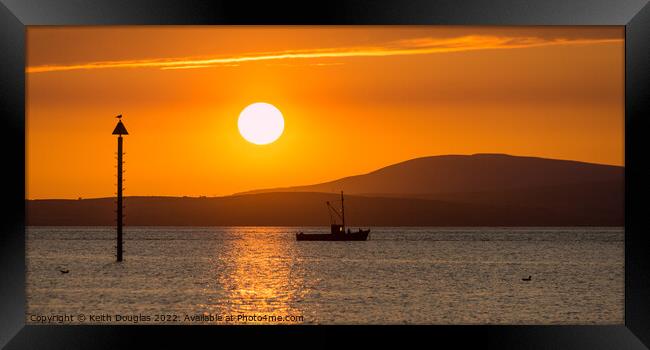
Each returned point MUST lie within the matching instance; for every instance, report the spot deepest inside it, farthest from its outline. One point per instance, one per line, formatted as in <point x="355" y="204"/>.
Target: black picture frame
<point x="15" y="15"/>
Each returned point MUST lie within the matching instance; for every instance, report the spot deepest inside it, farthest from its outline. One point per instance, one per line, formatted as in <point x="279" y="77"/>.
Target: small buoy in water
<point x="527" y="278"/>
<point x="64" y="271"/>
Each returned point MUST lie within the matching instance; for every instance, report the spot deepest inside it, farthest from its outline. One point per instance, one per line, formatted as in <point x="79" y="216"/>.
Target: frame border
<point x="15" y="15"/>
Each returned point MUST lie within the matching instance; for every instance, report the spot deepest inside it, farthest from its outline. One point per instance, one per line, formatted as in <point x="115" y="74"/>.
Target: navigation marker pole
<point x="119" y="130"/>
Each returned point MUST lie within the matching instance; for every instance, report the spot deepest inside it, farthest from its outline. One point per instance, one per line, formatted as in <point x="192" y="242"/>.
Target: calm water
<point x="401" y="275"/>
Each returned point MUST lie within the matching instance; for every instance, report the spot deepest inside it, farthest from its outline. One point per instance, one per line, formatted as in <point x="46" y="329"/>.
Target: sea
<point x="262" y="275"/>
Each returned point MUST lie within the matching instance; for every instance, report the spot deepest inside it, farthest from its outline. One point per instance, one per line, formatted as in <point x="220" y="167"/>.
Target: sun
<point x="261" y="123"/>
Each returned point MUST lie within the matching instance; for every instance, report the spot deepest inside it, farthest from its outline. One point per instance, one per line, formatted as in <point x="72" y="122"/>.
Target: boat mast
<point x="342" y="212"/>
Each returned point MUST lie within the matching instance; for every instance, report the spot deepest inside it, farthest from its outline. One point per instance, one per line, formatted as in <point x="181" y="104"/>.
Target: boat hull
<point x="352" y="236"/>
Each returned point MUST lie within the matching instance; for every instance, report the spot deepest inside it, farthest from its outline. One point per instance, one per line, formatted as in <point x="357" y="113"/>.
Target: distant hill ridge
<point x="476" y="190"/>
<point x="462" y="173"/>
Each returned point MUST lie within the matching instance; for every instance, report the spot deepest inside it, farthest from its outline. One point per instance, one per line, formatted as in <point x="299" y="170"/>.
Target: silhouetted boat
<point x="337" y="232"/>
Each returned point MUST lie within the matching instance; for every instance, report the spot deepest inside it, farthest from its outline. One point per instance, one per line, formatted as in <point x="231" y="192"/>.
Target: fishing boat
<point x="337" y="231"/>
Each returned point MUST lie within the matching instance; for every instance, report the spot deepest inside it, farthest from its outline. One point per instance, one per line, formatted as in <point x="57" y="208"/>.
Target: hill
<point x="476" y="190"/>
<point x="304" y="209"/>
<point x="465" y="174"/>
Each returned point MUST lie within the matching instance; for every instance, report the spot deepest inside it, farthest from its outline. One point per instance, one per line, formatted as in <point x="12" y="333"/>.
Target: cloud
<point x="414" y="46"/>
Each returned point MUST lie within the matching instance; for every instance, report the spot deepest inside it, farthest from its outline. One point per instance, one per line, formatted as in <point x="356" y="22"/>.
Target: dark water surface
<point x="254" y="275"/>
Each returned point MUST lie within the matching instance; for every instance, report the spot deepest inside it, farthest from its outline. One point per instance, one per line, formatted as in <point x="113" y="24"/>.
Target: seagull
<point x="119" y="116"/>
<point x="527" y="279"/>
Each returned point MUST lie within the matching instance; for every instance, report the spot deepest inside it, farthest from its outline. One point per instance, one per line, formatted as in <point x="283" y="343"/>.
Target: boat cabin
<point x="337" y="229"/>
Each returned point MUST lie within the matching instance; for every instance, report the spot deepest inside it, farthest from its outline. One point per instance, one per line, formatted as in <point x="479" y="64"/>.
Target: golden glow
<point x="260" y="123"/>
<point x="356" y="99"/>
<point x="271" y="286"/>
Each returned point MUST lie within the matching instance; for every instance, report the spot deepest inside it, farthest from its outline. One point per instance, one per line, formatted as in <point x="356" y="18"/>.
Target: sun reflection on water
<point x="262" y="277"/>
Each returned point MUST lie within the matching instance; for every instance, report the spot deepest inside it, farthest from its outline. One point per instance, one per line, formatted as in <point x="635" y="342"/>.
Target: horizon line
<point x="279" y="189"/>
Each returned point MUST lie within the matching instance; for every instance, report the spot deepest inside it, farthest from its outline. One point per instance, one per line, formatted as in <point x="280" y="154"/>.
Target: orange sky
<point x="354" y="99"/>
